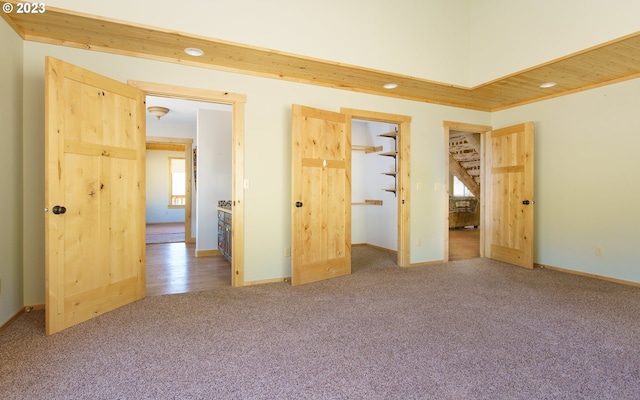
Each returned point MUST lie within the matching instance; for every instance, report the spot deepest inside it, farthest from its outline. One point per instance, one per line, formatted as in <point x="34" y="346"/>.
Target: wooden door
<point x="321" y="158"/>
<point x="509" y="195"/>
<point x="94" y="195"/>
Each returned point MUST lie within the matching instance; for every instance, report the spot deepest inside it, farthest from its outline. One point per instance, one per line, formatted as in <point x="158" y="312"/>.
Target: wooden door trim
<point x="186" y="145"/>
<point x="403" y="183"/>
<point x="472" y="128"/>
<point x="237" y="102"/>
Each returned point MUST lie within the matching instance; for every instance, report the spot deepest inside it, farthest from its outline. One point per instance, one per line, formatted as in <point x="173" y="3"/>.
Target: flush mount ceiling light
<point x="547" y="85"/>
<point x="390" y="85"/>
<point x="158" y="111"/>
<point x="192" y="51"/>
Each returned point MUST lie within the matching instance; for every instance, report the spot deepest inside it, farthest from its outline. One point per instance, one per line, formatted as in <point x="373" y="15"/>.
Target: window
<point x="177" y="182"/>
<point x="459" y="189"/>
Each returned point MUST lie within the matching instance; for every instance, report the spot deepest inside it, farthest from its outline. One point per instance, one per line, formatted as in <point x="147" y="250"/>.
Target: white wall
<point x="160" y="128"/>
<point x="214" y="174"/>
<point x="411" y="37"/>
<point x="157" y="203"/>
<point x="512" y="35"/>
<point x="11" y="157"/>
<point x="586" y="183"/>
<point x="462" y="42"/>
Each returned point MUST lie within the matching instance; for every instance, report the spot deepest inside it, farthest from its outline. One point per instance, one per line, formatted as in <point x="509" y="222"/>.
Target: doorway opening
<point x="373" y="184"/>
<point x="203" y="194"/>
<point x="182" y="254"/>
<point x="391" y="147"/>
<point x="168" y="217"/>
<point x="463" y="238"/>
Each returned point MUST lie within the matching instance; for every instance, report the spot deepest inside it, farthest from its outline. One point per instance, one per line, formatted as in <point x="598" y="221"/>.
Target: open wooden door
<point x="509" y="195"/>
<point x="321" y="161"/>
<point x="94" y="195"/>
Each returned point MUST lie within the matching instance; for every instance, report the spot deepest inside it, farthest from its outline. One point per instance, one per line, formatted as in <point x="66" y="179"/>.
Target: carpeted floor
<point x="472" y="329"/>
<point x="171" y="232"/>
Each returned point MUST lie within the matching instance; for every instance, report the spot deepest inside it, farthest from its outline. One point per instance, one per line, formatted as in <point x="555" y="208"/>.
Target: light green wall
<point x="586" y="182"/>
<point x="11" y="238"/>
<point x="267" y="152"/>
<point x="268" y="159"/>
<point x="267" y="120"/>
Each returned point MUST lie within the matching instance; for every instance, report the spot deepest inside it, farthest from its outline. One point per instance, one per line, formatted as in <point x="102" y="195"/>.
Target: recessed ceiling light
<point x="390" y="85"/>
<point x="548" y="85"/>
<point x="192" y="51"/>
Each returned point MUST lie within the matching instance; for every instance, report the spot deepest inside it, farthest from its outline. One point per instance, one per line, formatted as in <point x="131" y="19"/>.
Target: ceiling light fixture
<point x="390" y="85"/>
<point x="158" y="111"/>
<point x="547" y="85"/>
<point x="193" y="51"/>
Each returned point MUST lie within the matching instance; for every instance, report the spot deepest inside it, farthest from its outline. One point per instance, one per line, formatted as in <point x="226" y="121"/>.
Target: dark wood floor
<point x="174" y="268"/>
<point x="464" y="244"/>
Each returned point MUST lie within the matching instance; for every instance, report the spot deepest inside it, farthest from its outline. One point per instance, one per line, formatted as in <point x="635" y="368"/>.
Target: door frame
<point x="403" y="183"/>
<point x="237" y="102"/>
<point x="472" y="128"/>
<point x="186" y="145"/>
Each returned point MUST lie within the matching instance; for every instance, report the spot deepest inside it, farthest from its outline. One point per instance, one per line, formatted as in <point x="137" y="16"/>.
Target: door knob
<point x="59" y="210"/>
<point x="298" y="204"/>
<point x="527" y="202"/>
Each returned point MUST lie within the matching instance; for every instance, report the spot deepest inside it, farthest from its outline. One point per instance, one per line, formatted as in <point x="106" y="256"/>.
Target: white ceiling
<point x="181" y="112"/>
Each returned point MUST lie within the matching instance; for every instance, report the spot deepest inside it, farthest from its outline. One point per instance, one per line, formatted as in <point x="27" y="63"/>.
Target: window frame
<point x="172" y="197"/>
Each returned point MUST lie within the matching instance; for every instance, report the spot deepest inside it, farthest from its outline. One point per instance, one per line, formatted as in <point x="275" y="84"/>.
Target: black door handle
<point x="527" y="202"/>
<point x="298" y="204"/>
<point x="59" y="210"/>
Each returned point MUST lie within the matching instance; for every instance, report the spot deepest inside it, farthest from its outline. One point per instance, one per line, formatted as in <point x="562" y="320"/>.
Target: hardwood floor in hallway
<point x="174" y="268"/>
<point x="464" y="244"/>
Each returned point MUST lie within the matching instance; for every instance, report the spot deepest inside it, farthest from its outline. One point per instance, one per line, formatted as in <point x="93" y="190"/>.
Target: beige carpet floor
<point x="471" y="329"/>
<point x="171" y="232"/>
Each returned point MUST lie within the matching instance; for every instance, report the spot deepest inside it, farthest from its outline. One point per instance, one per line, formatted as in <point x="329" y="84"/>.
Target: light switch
<point x="246" y="184"/>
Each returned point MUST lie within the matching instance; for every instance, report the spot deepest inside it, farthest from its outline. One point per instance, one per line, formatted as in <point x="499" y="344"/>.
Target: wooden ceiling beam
<point x="608" y="63"/>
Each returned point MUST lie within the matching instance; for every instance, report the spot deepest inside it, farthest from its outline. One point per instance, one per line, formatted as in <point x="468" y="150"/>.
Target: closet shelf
<point x="366" y="149"/>
<point x="392" y="134"/>
<point x="369" y="203"/>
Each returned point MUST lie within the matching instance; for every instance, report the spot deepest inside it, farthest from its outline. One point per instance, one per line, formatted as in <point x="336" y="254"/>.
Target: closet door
<point x="509" y="195"/>
<point x="321" y="209"/>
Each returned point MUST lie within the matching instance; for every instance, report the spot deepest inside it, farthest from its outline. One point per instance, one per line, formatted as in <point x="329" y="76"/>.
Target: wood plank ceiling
<point x="608" y="63"/>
